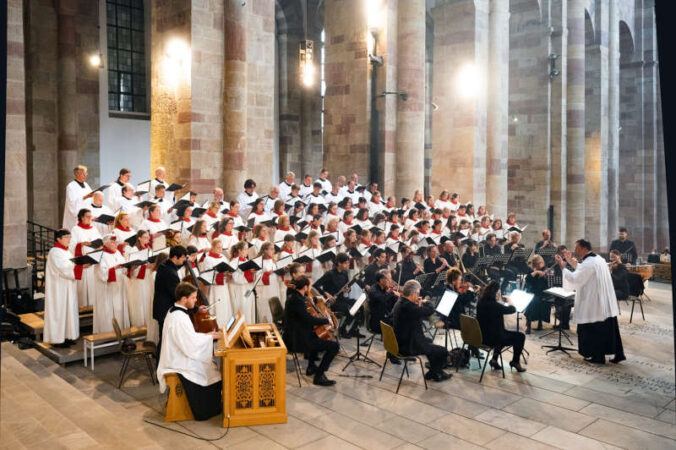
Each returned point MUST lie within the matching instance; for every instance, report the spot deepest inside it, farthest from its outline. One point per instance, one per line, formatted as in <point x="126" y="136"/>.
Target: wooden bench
<point x="35" y="322"/>
<point x="100" y="340"/>
<point x="178" y="407"/>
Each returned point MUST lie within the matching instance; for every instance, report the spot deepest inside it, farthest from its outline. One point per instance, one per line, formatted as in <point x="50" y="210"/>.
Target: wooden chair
<point x="392" y="347"/>
<point x="470" y="331"/>
<point x="143" y="350"/>
<point x="277" y="311"/>
<point x="178" y="407"/>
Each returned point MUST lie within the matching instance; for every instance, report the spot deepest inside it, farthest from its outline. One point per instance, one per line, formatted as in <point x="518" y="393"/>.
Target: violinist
<point x="618" y="271"/>
<point x="299" y="334"/>
<point x="464" y="304"/>
<point x="381" y="299"/>
<point x="166" y="281"/>
<point x="190" y="355"/>
<point x="536" y="282"/>
<point x="379" y="263"/>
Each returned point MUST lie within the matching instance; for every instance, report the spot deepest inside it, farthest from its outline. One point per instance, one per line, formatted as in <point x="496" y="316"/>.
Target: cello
<point x="202" y="321"/>
<point x="317" y="307"/>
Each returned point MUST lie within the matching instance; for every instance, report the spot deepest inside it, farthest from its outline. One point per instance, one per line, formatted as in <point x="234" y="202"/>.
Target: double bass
<point x="202" y="321"/>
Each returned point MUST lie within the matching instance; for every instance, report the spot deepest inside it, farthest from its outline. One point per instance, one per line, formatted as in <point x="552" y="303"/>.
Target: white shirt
<point x="185" y="351"/>
<point x="244" y="199"/>
<point x="595" y="299"/>
<point x="74" y="201"/>
<point x="326" y="184"/>
<point x="284" y="190"/>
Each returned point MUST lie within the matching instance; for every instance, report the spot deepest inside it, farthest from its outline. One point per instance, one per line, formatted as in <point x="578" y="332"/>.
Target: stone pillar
<point x="347" y="98"/>
<point x="67" y="97"/>
<point x="388" y="105"/>
<point x="235" y="100"/>
<point x="557" y="122"/>
<point x="613" y="117"/>
<point x="497" y="141"/>
<point x="575" y="112"/>
<point x="14" y="250"/>
<point x="459" y="131"/>
<point x="429" y="80"/>
<point x="410" y="153"/>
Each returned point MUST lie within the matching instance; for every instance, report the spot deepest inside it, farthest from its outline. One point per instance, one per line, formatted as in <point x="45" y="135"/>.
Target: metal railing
<point x="40" y="241"/>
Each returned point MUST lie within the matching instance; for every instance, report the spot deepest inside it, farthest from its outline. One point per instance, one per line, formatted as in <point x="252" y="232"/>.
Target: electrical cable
<point x="194" y="436"/>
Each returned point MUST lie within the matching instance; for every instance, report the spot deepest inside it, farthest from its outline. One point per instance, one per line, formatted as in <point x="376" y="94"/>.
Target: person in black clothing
<point x="408" y="268"/>
<point x="625" y="247"/>
<point x="618" y="272"/>
<point x="464" y="304"/>
<point x="547" y="243"/>
<point x="379" y="263"/>
<point x="407" y="317"/>
<point x="381" y="300"/>
<point x="563" y="307"/>
<point x="491" y="248"/>
<point x="299" y="334"/>
<point x="536" y="283"/>
<point x="447" y="253"/>
<point x="433" y="263"/>
<point x="471" y="255"/>
<point x="490" y="314"/>
<point x="166" y="281"/>
<point x="514" y="267"/>
<point x="332" y="282"/>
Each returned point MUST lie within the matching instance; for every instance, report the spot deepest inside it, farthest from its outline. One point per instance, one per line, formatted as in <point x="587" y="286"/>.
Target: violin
<point x="465" y="287"/>
<point x="202" y="321"/>
<point x="317" y="307"/>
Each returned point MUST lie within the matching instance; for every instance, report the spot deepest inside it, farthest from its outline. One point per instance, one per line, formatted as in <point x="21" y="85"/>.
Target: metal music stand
<point x="425" y="280"/>
<point x="358" y="354"/>
<point x="561" y="301"/>
<point x="547" y="254"/>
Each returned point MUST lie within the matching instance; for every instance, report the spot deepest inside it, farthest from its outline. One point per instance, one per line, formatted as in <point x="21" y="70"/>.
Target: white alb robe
<point x="218" y="291"/>
<point x="238" y="288"/>
<point x="61" y="308"/>
<point x="140" y="286"/>
<point x="74" y="202"/>
<point x="157" y="240"/>
<point x="595" y="299"/>
<point x="86" y="286"/>
<point x="111" y="294"/>
<point x="244" y="199"/>
<point x="186" y="351"/>
<point x="284" y="190"/>
<point x="266" y="289"/>
<point x="97" y="211"/>
<point x="114" y="195"/>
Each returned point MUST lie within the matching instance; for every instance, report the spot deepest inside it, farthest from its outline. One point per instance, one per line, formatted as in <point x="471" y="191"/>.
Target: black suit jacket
<point x="380" y="304"/>
<point x="166" y="281"/>
<point x="407" y="320"/>
<point x="298" y="323"/>
<point x="490" y="315"/>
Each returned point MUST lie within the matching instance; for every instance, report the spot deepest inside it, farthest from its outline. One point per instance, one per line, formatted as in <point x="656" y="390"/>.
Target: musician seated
<point x="408" y="267"/>
<point x="471" y="256"/>
<point x="490" y="314"/>
<point x="618" y="272"/>
<point x="563" y="309"/>
<point x="299" y="333"/>
<point x="434" y="263"/>
<point x="330" y="284"/>
<point x="379" y="263"/>
<point x="407" y="318"/>
<point x="382" y="299"/>
<point x="536" y="283"/>
<point x="464" y="304"/>
<point x="447" y="253"/>
<point x="190" y="355"/>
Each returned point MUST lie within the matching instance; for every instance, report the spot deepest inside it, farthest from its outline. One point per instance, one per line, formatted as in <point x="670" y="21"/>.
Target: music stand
<point x="358" y="354"/>
<point x="425" y="279"/>
<point x="547" y="254"/>
<point x="560" y="295"/>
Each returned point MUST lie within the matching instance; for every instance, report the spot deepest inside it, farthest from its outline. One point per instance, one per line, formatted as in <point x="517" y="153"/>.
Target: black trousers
<point x="330" y="349"/>
<point x="514" y="338"/>
<point x="436" y="354"/>
<point x="159" y="341"/>
<point x="205" y="401"/>
<point x="343" y="305"/>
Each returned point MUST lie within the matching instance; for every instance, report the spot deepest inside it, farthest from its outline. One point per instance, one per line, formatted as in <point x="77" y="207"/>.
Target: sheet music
<point x="447" y="302"/>
<point x="355" y="291"/>
<point x="520" y="299"/>
<point x="560" y="292"/>
<point x="357" y="304"/>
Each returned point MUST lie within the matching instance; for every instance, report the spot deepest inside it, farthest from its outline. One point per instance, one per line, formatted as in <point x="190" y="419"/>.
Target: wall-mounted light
<point x="307" y="68"/>
<point x="468" y="81"/>
<point x="515" y="119"/>
<point x="374" y="14"/>
<point x="96" y="60"/>
<point x="553" y="71"/>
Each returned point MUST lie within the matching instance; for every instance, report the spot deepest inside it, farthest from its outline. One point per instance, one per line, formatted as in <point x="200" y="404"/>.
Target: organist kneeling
<point x="190" y="355"/>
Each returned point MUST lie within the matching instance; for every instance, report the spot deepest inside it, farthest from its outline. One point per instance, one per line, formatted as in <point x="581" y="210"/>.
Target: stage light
<point x="468" y="81"/>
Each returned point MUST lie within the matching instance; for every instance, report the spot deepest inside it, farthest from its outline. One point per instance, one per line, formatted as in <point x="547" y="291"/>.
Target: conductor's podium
<point x="253" y="364"/>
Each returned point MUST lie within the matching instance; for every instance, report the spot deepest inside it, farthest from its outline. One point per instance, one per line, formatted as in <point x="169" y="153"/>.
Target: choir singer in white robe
<point x="82" y="236"/>
<point x="189" y="354"/>
<point x="76" y="192"/>
<point x="62" y="323"/>
<point x="595" y="304"/>
<point x="111" y="288"/>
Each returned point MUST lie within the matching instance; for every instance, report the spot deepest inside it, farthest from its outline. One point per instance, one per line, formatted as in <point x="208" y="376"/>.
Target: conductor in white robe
<point x="596" y="307"/>
<point x="189" y="354"/>
<point x="62" y="323"/>
<point x="77" y="192"/>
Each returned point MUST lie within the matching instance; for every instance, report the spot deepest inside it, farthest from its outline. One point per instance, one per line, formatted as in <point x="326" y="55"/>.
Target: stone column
<point x="347" y="98"/>
<point x="15" y="214"/>
<point x="67" y="97"/>
<point x="235" y="99"/>
<point x="497" y="110"/>
<point x="410" y="149"/>
<point x="613" y="116"/>
<point x="557" y="121"/>
<point x="575" y="112"/>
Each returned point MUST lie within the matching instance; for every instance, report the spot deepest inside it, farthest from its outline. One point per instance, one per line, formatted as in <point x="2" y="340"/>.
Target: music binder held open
<point x="447" y="302"/>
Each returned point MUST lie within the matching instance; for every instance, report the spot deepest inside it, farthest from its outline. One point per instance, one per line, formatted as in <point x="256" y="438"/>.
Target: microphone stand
<point x="253" y="290"/>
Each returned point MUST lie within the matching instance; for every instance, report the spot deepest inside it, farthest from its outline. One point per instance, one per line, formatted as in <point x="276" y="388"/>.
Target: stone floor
<point x="561" y="402"/>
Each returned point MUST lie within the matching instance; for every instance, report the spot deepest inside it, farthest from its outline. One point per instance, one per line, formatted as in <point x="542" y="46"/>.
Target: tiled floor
<point x="560" y="402"/>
